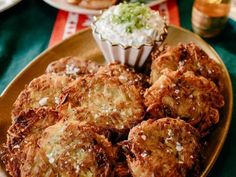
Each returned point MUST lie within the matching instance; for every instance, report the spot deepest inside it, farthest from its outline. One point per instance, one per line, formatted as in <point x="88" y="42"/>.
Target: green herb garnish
<point x="133" y="14"/>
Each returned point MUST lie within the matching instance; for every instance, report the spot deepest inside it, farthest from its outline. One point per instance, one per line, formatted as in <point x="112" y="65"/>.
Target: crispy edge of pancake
<point x="174" y="155"/>
<point x="23" y="135"/>
<point x="73" y="66"/>
<point x="77" y="149"/>
<point x="186" y="57"/>
<point x="167" y="95"/>
<point x="48" y="84"/>
<point x="84" y="92"/>
<point x="125" y="74"/>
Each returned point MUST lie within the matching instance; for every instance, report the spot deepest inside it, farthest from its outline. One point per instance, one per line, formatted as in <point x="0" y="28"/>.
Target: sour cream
<point x="152" y="26"/>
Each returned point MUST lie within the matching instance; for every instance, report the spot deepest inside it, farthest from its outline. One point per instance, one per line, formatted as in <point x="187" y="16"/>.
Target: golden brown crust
<point x="192" y="98"/>
<point x="97" y="104"/>
<point x="75" y="150"/>
<point x="163" y="148"/>
<point x="36" y="164"/>
<point x="186" y="57"/>
<point x="103" y="101"/>
<point x="20" y="152"/>
<point x="37" y="147"/>
<point x="42" y="91"/>
<point x="125" y="74"/>
<point x="72" y="66"/>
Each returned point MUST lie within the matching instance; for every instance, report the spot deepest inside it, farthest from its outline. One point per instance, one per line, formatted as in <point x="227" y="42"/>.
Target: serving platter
<point x="82" y="44"/>
<point x="64" y="5"/>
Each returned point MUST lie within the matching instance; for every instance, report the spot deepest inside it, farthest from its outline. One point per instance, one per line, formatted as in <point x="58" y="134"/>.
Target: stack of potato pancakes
<point x="84" y="119"/>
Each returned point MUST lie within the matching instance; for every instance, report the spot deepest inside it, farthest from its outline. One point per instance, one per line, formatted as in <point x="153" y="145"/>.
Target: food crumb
<point x="50" y="158"/>
<point x="43" y="101"/>
<point x="144" y="154"/>
<point x="170" y="133"/>
<point x="57" y="100"/>
<point x="122" y="78"/>
<point x="71" y="69"/>
<point x="177" y="91"/>
<point x="180" y="162"/>
<point x="144" y="137"/>
<point x="179" y="147"/>
<point x="16" y="147"/>
<point x="77" y="169"/>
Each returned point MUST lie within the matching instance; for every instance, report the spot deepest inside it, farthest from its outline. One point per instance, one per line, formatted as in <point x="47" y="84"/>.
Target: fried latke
<point x="103" y="101"/>
<point x="191" y="98"/>
<point x="21" y="155"/>
<point x="186" y="57"/>
<point x="42" y="91"/>
<point x="72" y="66"/>
<point x="75" y="150"/>
<point x="162" y="148"/>
<point x="125" y="74"/>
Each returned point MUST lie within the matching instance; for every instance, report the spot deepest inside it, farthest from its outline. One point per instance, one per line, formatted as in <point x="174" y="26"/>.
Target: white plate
<point x="63" y="5"/>
<point x="6" y="4"/>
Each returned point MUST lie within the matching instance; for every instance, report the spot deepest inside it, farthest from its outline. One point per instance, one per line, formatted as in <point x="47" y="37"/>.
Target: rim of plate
<point x="8" y="4"/>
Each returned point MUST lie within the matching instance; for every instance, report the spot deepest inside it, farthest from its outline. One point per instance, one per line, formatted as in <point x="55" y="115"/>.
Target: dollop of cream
<point x="117" y="33"/>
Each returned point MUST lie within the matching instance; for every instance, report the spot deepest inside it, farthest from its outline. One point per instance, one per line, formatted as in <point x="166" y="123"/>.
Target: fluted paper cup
<point x="129" y="55"/>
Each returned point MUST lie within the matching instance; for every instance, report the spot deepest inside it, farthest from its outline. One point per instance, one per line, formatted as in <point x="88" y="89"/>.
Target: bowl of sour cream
<point x="128" y="32"/>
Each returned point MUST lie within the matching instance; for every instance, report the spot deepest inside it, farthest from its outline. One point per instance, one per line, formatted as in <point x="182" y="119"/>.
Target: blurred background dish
<point x="74" y="7"/>
<point x="6" y="4"/>
<point x="93" y="4"/>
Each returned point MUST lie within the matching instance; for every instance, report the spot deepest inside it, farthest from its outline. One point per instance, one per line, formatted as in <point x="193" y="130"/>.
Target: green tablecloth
<point x="25" y="31"/>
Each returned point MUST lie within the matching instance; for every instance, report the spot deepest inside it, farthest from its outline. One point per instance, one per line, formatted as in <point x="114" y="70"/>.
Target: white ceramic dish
<point x="133" y="56"/>
<point x="63" y="5"/>
<point x="6" y="4"/>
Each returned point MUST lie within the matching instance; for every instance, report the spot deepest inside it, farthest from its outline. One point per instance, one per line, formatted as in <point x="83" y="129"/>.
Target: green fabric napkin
<point x="24" y="33"/>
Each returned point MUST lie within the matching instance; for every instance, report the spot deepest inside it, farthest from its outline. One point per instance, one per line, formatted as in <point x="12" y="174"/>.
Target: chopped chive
<point x="134" y="14"/>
